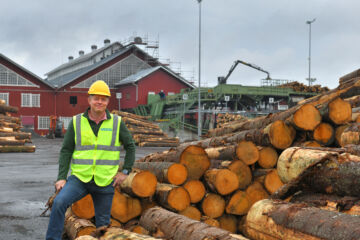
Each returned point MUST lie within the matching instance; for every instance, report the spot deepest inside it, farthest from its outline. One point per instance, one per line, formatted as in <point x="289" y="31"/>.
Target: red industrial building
<point x="127" y="69"/>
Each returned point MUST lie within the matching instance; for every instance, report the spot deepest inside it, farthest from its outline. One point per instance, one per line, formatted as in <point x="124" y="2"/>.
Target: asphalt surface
<point x="26" y="182"/>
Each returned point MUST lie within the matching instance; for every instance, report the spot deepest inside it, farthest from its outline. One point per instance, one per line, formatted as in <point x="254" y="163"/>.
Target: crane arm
<point x="247" y="64"/>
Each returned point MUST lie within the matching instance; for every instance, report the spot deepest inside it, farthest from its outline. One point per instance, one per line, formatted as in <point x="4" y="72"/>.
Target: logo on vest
<point x="106" y="129"/>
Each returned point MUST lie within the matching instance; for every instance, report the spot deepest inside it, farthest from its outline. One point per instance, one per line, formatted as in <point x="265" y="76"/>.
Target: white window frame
<point x="33" y="101"/>
<point x="66" y="121"/>
<point x="5" y="96"/>
<point x="43" y="122"/>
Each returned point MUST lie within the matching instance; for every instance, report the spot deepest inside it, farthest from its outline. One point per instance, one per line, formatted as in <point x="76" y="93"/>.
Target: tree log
<point x="191" y="212"/>
<point x="84" y="208"/>
<point x="6" y="108"/>
<point x="222" y="181"/>
<point x="210" y="221"/>
<point x="242" y="171"/>
<point x="172" y="197"/>
<point x="125" y="208"/>
<point x="17" y="135"/>
<point x="196" y="161"/>
<point x="178" y="227"/>
<point x="138" y="122"/>
<point x="350" y="135"/>
<point x="267" y="157"/>
<point x="278" y="220"/>
<point x="165" y="172"/>
<point x="130" y="115"/>
<point x="221" y="153"/>
<point x="10" y="119"/>
<point x="119" y="233"/>
<point x="256" y="192"/>
<point x="29" y="148"/>
<point x="239" y="203"/>
<point x="196" y="190"/>
<point x="158" y="144"/>
<point x="272" y="181"/>
<point x="11" y="141"/>
<point x="306" y="118"/>
<point x="213" y="205"/>
<point x="140" y="184"/>
<point x="228" y="222"/>
<point x="339" y="111"/>
<point x="75" y="227"/>
<point x="247" y="152"/>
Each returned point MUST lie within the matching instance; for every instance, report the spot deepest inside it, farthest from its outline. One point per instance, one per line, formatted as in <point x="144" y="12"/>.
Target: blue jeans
<point x="73" y="191"/>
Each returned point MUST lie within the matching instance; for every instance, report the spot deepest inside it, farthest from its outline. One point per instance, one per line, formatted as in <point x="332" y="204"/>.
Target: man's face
<point x="98" y="103"/>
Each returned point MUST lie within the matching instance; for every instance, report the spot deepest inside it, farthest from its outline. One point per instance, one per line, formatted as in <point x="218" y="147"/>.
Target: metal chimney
<point x="81" y="53"/>
<point x="70" y="58"/>
<point x="93" y="47"/>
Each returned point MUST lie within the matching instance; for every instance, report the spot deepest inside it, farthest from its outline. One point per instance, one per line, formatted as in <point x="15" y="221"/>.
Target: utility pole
<point x="310" y="79"/>
<point x="199" y="95"/>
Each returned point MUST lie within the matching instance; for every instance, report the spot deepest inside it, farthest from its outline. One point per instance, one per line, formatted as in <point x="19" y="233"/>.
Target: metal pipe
<point x="199" y="95"/>
<point x="310" y="22"/>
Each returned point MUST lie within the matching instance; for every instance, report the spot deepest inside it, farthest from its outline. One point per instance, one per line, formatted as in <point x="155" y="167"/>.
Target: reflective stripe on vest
<point x="96" y="157"/>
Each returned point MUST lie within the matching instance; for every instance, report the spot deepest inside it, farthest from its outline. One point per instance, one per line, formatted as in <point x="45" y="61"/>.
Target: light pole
<point x="199" y="96"/>
<point x="310" y="79"/>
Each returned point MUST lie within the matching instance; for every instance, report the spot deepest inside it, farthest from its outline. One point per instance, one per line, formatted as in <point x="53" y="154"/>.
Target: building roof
<point x="83" y="58"/>
<point x="27" y="71"/>
<point x="69" y="77"/>
<point x="143" y="73"/>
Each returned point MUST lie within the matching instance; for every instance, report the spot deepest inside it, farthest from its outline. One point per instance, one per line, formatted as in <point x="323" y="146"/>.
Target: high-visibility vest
<point x="97" y="157"/>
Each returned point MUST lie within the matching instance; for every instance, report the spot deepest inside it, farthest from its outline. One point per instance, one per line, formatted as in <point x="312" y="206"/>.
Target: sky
<point x="41" y="34"/>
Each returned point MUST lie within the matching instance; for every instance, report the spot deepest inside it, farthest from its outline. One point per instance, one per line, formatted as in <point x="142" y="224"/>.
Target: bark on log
<point x="278" y="220"/>
<point x="17" y="135"/>
<point x="75" y="227"/>
<point x="165" y="172"/>
<point x="140" y="184"/>
<point x="222" y="181"/>
<point x="221" y="153"/>
<point x="119" y="233"/>
<point x="158" y="144"/>
<point x="172" y="197"/>
<point x="327" y="172"/>
<point x="178" y="227"/>
<point x="6" y="108"/>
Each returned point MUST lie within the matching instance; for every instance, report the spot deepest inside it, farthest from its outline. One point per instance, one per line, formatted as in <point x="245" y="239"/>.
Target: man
<point x="92" y="148"/>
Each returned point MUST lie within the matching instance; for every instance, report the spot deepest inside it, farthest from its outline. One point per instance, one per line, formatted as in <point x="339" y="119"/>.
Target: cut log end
<point x="191" y="212"/>
<point x="256" y="192"/>
<point x="307" y="117"/>
<point x="196" y="161"/>
<point x="177" y="174"/>
<point x="340" y="111"/>
<point x="247" y="152"/>
<point x="228" y="223"/>
<point x="324" y="134"/>
<point x="239" y="204"/>
<point x="210" y="221"/>
<point x="243" y="173"/>
<point x="196" y="190"/>
<point x="84" y="208"/>
<point x="179" y="198"/>
<point x="268" y="157"/>
<point x="144" y="184"/>
<point x="281" y="135"/>
<point x="223" y="180"/>
<point x="213" y="205"/>
<point x="272" y="181"/>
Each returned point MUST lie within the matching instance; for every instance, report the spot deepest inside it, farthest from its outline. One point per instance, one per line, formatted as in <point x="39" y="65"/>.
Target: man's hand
<point x="59" y="185"/>
<point x="119" y="178"/>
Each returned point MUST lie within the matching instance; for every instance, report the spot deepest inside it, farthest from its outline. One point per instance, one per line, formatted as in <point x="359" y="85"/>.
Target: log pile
<point x="227" y="118"/>
<point x="146" y="133"/>
<point x="300" y="87"/>
<point x="11" y="138"/>
<point x="262" y="177"/>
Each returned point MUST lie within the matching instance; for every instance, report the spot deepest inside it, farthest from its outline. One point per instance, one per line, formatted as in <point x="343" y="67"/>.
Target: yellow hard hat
<point x="99" y="88"/>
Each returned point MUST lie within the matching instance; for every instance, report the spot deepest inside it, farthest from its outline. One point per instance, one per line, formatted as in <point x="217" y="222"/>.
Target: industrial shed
<point x="64" y="95"/>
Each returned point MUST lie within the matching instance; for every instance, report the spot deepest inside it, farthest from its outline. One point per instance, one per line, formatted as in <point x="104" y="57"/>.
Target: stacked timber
<point x="300" y="87"/>
<point x="227" y="118"/>
<point x="146" y="133"/>
<point x="11" y="138"/>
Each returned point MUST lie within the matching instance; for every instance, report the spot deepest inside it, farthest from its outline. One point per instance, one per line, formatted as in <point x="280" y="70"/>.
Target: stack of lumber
<point x="146" y="133"/>
<point x="227" y="118"/>
<point x="300" y="87"/>
<point x="11" y="138"/>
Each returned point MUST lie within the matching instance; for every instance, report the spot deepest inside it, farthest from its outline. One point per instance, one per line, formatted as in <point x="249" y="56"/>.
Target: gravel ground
<point x="27" y="181"/>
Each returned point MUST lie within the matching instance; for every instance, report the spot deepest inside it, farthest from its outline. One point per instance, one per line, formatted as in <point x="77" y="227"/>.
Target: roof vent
<point x="93" y="47"/>
<point x="81" y="53"/>
<point x="107" y="42"/>
<point x="70" y="58"/>
<point x="138" y="40"/>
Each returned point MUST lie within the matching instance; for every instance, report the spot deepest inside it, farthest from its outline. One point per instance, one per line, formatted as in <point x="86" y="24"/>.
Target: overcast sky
<point x="41" y="34"/>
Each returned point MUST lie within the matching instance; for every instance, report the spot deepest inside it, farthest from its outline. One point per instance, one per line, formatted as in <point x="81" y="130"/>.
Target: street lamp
<point x="310" y="79"/>
<point x="199" y="96"/>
